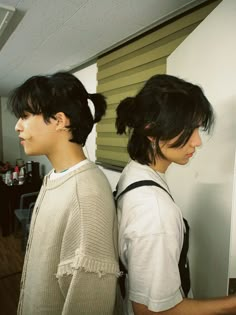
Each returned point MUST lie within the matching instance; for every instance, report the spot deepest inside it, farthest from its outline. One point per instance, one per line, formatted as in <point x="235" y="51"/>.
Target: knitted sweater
<point x="71" y="262"/>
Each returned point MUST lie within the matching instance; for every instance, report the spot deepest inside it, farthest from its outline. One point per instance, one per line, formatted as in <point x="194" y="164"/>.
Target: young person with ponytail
<point x="163" y="122"/>
<point x="71" y="262"/>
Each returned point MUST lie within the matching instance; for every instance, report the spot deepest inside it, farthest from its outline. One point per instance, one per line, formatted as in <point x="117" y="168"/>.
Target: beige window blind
<point x="121" y="73"/>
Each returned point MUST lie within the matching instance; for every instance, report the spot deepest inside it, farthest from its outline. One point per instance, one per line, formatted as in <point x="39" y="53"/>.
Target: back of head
<point x="164" y="108"/>
<point x="60" y="92"/>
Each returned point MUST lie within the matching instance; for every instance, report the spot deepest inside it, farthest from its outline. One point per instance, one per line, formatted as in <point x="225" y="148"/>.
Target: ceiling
<point x="45" y="36"/>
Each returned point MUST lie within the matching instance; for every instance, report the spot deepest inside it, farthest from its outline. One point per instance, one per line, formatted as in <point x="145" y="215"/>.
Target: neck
<point x="160" y="165"/>
<point x="67" y="157"/>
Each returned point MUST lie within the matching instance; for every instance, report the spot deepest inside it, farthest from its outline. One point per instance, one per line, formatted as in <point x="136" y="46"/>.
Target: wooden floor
<point x="11" y="262"/>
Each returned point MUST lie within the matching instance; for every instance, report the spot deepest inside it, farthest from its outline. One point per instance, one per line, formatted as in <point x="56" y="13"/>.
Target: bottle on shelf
<point x="8" y="178"/>
<point x="21" y="176"/>
<point x="15" y="175"/>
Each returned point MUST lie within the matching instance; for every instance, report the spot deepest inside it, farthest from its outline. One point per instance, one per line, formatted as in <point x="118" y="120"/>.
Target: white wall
<point x="204" y="189"/>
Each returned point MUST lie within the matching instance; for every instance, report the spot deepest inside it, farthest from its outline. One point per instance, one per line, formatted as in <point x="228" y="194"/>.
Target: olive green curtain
<point x="122" y="73"/>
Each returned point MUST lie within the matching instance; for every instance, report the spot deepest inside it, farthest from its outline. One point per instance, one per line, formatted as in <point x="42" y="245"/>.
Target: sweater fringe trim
<point x="88" y="264"/>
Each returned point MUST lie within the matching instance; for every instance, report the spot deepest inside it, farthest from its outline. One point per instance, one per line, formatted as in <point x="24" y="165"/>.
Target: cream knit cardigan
<point x="71" y="263"/>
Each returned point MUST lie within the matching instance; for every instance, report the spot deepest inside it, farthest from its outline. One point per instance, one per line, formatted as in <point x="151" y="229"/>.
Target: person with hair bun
<point x="71" y="261"/>
<point x="163" y="122"/>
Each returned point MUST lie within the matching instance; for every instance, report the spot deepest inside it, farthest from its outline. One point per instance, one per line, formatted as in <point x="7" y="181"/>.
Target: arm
<point x="220" y="306"/>
<point x="87" y="293"/>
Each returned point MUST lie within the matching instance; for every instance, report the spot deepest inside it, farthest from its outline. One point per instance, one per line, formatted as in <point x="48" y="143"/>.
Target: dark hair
<point x="60" y="92"/>
<point x="164" y="108"/>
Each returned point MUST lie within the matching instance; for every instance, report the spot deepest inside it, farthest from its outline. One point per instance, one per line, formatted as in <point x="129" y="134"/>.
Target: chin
<point x="33" y="153"/>
<point x="183" y="162"/>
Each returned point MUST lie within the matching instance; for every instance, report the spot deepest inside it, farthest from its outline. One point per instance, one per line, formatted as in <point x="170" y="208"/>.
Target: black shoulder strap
<point x="139" y="184"/>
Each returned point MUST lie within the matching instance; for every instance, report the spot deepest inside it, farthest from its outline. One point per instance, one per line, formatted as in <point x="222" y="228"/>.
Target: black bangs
<point x="27" y="98"/>
<point x="174" y="113"/>
<point x="200" y="116"/>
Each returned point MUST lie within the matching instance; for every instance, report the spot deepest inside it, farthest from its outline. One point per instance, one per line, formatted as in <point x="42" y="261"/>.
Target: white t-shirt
<point x="55" y="175"/>
<point x="151" y="233"/>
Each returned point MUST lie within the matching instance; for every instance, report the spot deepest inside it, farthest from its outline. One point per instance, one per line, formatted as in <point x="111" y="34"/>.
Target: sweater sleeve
<point x="87" y="293"/>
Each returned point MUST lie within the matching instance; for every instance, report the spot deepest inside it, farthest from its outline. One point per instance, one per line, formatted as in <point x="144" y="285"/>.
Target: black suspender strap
<point x="139" y="184"/>
<point x="184" y="269"/>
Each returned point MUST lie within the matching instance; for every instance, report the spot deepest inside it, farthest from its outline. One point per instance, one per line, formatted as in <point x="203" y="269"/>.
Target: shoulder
<point x="93" y="191"/>
<point x="92" y="177"/>
<point x="152" y="210"/>
<point x="134" y="172"/>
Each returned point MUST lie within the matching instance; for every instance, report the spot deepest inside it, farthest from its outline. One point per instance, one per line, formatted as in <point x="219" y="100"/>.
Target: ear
<point x="61" y="121"/>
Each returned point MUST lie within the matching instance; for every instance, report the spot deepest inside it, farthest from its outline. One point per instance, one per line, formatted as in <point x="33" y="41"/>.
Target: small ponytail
<point x="100" y="105"/>
<point x="125" y="115"/>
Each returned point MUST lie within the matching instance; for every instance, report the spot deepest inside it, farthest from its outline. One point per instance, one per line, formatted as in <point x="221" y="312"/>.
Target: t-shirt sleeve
<point x="153" y="246"/>
<point x="153" y="274"/>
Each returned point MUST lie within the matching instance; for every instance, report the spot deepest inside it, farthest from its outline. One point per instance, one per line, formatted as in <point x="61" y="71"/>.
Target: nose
<point x="195" y="139"/>
<point x="18" y="126"/>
